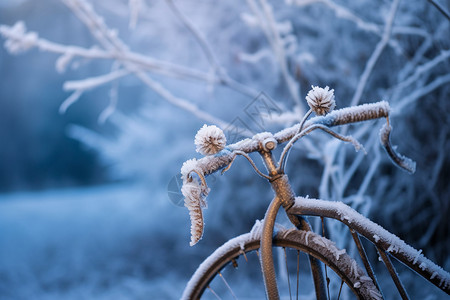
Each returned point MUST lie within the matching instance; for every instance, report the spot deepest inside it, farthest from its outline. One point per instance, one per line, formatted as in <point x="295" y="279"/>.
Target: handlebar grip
<point x="354" y="114"/>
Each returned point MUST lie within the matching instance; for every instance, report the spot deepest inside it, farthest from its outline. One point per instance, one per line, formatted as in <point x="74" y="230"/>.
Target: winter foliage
<point x="151" y="73"/>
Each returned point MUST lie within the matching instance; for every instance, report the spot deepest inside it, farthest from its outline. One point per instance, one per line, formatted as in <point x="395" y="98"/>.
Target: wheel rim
<point x="295" y="284"/>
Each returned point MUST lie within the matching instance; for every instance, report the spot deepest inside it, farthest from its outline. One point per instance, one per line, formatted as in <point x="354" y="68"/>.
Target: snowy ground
<point x="86" y="244"/>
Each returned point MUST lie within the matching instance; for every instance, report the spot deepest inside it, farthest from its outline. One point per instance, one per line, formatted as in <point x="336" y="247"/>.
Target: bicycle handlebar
<point x="195" y="193"/>
<point x="364" y="112"/>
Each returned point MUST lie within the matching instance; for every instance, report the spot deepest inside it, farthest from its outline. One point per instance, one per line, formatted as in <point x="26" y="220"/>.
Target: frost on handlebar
<point x="354" y="114"/>
<point x="218" y="156"/>
<point x="398" y="159"/>
<point x="195" y="190"/>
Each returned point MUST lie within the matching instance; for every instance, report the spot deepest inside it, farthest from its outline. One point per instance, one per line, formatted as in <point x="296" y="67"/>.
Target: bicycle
<point x="266" y="235"/>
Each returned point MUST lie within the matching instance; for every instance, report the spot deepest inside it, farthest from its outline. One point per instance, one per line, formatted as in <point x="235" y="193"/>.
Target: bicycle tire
<point x="307" y="242"/>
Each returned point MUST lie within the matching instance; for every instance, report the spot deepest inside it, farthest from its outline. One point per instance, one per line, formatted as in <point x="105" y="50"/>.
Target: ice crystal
<point x="321" y="100"/>
<point x="210" y="140"/>
<point x="189" y="166"/>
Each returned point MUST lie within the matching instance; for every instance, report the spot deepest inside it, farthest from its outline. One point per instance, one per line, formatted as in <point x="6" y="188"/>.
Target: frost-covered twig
<point x="198" y="36"/>
<point x="113" y="43"/>
<point x="440" y="8"/>
<point x="135" y="7"/>
<point x="93" y="82"/>
<point x="70" y="100"/>
<point x="220" y="75"/>
<point x="266" y="20"/>
<point x="350" y="170"/>
<point x="184" y="104"/>
<point x="376" y="54"/>
<point x="422" y="69"/>
<point x="20" y="41"/>
<point x="341" y="12"/>
<point x="416" y="94"/>
<point x="346" y="14"/>
<point x="369" y="174"/>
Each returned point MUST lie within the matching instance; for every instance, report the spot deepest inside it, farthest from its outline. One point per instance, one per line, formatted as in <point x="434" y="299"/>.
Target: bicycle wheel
<point x="233" y="271"/>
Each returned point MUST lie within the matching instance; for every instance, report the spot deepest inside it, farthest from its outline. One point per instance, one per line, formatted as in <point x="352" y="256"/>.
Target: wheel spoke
<point x="328" y="282"/>
<point x="228" y="286"/>
<point x="326" y="273"/>
<point x="298" y="269"/>
<point x="287" y="273"/>
<point x="340" y="289"/>
<point x="214" y="293"/>
<point x="245" y="256"/>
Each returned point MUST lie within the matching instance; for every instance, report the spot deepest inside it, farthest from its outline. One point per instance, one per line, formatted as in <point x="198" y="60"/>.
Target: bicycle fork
<point x="284" y="196"/>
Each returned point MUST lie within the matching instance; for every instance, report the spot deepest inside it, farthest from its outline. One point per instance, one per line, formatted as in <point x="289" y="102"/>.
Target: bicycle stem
<point x="284" y="197"/>
<point x="279" y="181"/>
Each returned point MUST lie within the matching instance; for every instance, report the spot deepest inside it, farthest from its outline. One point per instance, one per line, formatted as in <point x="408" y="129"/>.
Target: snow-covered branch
<point x="376" y="53"/>
<point x="279" y="45"/>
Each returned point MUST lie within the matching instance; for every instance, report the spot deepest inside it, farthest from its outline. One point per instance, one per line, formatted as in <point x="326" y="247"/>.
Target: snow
<point x="189" y="166"/>
<point x="386" y="240"/>
<point x="18" y="40"/>
<point x="308" y="238"/>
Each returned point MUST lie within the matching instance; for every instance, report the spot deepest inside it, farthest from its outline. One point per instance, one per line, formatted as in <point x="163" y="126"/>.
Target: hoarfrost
<point x="365" y="279"/>
<point x="210" y="140"/>
<point x="256" y="229"/>
<point x="17" y="39"/>
<point x="392" y="248"/>
<point x="423" y="266"/>
<point x="374" y="232"/>
<point x="417" y="256"/>
<point x="338" y="253"/>
<point x="308" y="233"/>
<point x="194" y="194"/>
<point x="287" y="232"/>
<point x="375" y="294"/>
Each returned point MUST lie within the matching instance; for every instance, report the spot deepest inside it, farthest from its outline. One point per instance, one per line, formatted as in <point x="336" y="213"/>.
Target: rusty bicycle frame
<point x="298" y="207"/>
